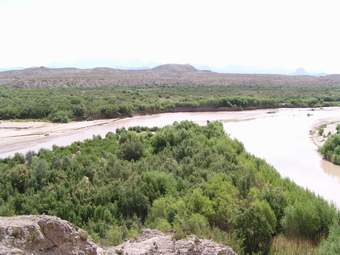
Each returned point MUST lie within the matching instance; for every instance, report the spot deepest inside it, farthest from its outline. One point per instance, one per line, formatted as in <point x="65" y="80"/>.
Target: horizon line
<point x="228" y="69"/>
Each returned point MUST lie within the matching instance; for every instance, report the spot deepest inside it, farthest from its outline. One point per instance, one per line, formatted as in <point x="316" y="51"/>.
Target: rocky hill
<point x="52" y="236"/>
<point x="170" y="74"/>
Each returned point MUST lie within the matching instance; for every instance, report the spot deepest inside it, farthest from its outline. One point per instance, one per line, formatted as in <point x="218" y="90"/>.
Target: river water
<point x="280" y="136"/>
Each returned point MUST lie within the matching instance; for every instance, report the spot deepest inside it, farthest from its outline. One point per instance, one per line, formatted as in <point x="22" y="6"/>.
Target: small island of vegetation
<point x="331" y="148"/>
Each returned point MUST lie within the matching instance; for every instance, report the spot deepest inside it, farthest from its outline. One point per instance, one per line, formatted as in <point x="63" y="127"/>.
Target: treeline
<point x="184" y="178"/>
<point x="65" y="104"/>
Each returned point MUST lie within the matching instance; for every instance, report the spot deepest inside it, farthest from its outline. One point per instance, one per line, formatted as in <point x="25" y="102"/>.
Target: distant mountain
<point x="176" y="68"/>
<point x="300" y="71"/>
<point x="168" y="74"/>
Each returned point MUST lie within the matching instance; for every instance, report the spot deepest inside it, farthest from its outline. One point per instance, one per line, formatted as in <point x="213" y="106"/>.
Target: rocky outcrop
<point x="154" y="242"/>
<point x="43" y="235"/>
<point x="53" y="236"/>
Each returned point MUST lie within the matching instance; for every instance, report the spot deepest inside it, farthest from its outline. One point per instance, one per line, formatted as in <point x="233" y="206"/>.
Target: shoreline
<point x="319" y="140"/>
<point x="329" y="129"/>
<point x="261" y="132"/>
<point x="179" y="109"/>
<point x="23" y="136"/>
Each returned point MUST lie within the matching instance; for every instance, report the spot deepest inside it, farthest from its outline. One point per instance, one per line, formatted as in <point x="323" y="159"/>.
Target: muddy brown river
<point x="280" y="136"/>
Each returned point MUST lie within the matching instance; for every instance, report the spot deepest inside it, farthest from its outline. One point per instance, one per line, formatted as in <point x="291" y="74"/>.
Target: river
<point x="280" y="136"/>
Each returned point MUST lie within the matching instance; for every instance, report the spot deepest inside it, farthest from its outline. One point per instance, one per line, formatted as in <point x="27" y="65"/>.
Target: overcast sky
<point x="261" y="34"/>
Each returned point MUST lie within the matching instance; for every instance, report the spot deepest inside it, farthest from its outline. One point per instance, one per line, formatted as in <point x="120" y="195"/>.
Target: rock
<point x="43" y="235"/>
<point x="52" y="236"/>
<point x="154" y="242"/>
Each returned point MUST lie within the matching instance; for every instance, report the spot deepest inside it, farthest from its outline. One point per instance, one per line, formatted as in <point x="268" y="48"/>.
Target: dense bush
<point x="59" y="116"/>
<point x="183" y="177"/>
<point x="308" y="219"/>
<point x="256" y="225"/>
<point x="131" y="147"/>
<point x="331" y="246"/>
<point x="331" y="149"/>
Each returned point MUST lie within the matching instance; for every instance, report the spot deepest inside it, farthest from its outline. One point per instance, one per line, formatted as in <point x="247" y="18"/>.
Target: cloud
<point x="263" y="33"/>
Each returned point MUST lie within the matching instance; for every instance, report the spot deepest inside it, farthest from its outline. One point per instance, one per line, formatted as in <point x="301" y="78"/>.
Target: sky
<point x="260" y="36"/>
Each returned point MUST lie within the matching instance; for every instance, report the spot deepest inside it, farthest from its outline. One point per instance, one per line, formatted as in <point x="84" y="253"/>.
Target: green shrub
<point x="197" y="224"/>
<point x="331" y="245"/>
<point x="184" y="178"/>
<point x="19" y="177"/>
<point x="161" y="224"/>
<point x="308" y="219"/>
<point x="115" y="235"/>
<point x="331" y="149"/>
<point x="256" y="226"/>
<point x="132" y="148"/>
<point x="158" y="184"/>
<point x="59" y="117"/>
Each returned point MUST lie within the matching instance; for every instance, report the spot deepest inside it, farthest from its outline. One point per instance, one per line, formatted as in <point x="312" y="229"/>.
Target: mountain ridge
<point x="168" y="74"/>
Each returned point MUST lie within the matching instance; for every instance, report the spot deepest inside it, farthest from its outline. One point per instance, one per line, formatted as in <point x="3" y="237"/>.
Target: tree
<point x="223" y="196"/>
<point x="115" y="235"/>
<point x="59" y="117"/>
<point x="19" y="176"/>
<point x="132" y="148"/>
<point x="256" y="225"/>
<point x="40" y="173"/>
<point x="308" y="219"/>
<point x="277" y="201"/>
<point x="331" y="245"/>
<point x="156" y="184"/>
<point x="79" y="111"/>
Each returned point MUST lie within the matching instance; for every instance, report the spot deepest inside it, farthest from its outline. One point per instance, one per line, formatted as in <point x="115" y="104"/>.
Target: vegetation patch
<point x="184" y="178"/>
<point x="331" y="148"/>
<point x="71" y="103"/>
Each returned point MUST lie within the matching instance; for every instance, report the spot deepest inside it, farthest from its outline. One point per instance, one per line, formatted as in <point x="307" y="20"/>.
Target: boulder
<point x="154" y="242"/>
<point x="50" y="235"/>
<point x="43" y="235"/>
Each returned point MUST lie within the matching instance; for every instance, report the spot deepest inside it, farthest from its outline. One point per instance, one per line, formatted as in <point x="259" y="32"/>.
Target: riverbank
<point x="21" y="136"/>
<point x="322" y="130"/>
<point x="67" y="104"/>
<point x="25" y="136"/>
<point x="280" y="136"/>
<point x="180" y="109"/>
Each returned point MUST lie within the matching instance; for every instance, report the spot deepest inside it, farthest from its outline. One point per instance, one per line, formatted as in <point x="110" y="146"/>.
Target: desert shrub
<point x="59" y="117"/>
<point x="308" y="219"/>
<point x="331" y="245"/>
<point x="184" y="178"/>
<point x="132" y="148"/>
<point x="256" y="226"/>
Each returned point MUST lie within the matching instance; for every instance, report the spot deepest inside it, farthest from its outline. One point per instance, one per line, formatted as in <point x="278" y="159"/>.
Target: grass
<point x="292" y="246"/>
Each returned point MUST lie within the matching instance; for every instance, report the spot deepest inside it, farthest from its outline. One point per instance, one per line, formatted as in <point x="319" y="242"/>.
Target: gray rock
<point x="52" y="236"/>
<point x="154" y="242"/>
<point x="43" y="235"/>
